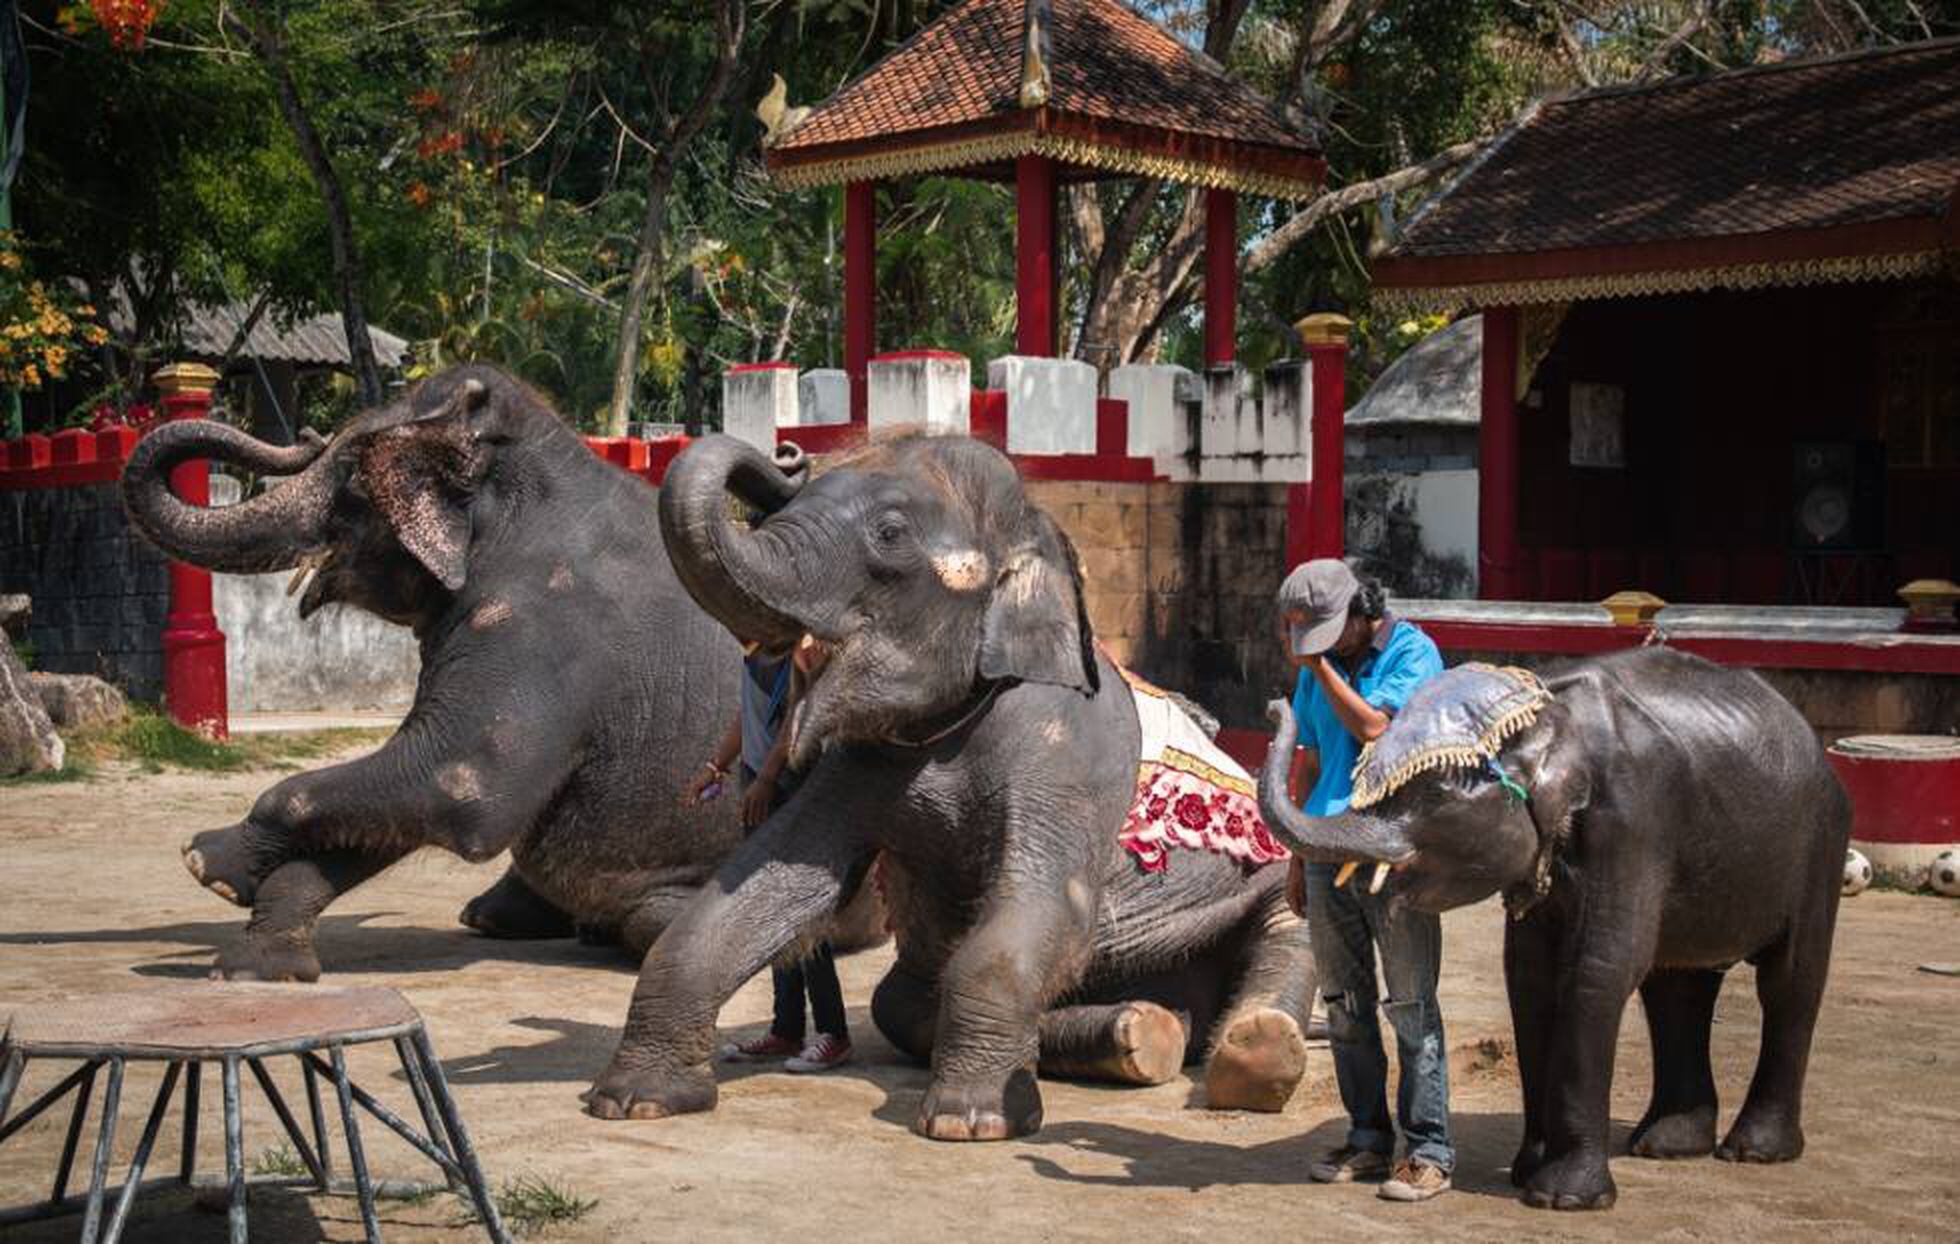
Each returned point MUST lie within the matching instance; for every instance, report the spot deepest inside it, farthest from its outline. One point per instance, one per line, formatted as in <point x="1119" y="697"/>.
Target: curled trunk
<point x="732" y="573"/>
<point x="1319" y="839"/>
<point x="273" y="531"/>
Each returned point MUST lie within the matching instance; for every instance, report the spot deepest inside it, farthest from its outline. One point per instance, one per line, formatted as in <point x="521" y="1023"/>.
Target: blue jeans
<point x="1348" y="928"/>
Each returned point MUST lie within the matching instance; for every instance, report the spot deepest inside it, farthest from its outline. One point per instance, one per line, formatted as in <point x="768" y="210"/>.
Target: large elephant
<point x="966" y="726"/>
<point x="568" y="685"/>
<point x="1652" y="820"/>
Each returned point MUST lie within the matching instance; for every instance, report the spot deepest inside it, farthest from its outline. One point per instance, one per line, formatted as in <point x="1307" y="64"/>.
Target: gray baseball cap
<point x="1321" y="589"/>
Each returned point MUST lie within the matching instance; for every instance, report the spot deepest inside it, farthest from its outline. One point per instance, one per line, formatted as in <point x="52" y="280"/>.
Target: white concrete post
<point x="756" y="399"/>
<point x="1051" y="404"/>
<point x="1158" y="427"/>
<point x="823" y="396"/>
<point x="931" y="389"/>
<point x="1285" y="423"/>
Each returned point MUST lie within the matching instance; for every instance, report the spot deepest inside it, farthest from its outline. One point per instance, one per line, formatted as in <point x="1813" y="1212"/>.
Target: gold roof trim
<point x="940" y="157"/>
<point x="1894" y="267"/>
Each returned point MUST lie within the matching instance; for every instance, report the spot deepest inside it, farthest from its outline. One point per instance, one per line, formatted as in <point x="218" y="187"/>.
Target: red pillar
<point x="1497" y="460"/>
<point x="193" y="646"/>
<point x="1036" y="256"/>
<point x="1221" y="277"/>
<point x="860" y="288"/>
<point x="1325" y="337"/>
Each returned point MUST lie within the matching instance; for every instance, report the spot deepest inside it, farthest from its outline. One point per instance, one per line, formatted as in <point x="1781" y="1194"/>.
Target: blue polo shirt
<point x="1401" y="659"/>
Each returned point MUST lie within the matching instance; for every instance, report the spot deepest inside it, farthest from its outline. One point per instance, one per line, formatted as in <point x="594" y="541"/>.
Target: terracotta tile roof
<point x="1844" y="144"/>
<point x="1115" y="77"/>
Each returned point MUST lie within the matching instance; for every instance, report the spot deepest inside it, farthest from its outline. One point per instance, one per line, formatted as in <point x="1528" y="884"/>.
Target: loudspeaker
<point x="1839" y="496"/>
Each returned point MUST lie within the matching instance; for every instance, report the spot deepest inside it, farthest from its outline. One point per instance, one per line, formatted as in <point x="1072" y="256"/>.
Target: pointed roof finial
<point x="1035" y="86"/>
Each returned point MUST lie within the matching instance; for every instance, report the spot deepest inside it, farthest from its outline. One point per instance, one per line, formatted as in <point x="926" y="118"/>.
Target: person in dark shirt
<point x="756" y="737"/>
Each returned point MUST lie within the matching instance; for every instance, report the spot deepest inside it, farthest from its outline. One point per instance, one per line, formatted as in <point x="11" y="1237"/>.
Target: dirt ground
<point x="92" y="898"/>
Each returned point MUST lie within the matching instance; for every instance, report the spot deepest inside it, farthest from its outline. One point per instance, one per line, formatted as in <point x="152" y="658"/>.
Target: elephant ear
<point x="1556" y="772"/>
<point x="419" y="475"/>
<point x="1037" y="629"/>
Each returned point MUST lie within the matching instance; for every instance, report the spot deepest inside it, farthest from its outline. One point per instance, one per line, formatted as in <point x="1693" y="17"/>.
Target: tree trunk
<point x="646" y="263"/>
<point x="340" y="223"/>
<point x="730" y="18"/>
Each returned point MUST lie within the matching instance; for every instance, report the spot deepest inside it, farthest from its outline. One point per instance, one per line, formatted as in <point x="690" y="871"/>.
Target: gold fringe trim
<point x="1795" y="272"/>
<point x="1197" y="766"/>
<point x="942" y="156"/>
<point x="1367" y="792"/>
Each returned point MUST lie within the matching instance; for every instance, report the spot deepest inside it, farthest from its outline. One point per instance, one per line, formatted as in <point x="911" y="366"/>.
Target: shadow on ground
<point x="344" y="944"/>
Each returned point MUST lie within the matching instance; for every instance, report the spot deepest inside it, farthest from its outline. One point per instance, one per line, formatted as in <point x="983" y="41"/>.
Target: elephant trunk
<point x="740" y="577"/>
<point x="1319" y="839"/>
<point x="273" y="531"/>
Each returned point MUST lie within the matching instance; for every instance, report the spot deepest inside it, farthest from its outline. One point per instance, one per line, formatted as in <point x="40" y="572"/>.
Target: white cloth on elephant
<point x="1189" y="793"/>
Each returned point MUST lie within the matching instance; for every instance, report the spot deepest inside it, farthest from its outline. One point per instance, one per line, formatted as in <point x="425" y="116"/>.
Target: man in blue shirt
<point x="1358" y="665"/>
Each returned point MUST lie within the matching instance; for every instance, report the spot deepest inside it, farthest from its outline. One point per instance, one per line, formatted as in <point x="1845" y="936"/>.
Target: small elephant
<point x="967" y="727"/>
<point x="568" y="685"/>
<point x="1652" y="819"/>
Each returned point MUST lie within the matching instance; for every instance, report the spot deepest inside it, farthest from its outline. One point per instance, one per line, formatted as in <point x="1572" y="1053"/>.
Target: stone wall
<point x="1180" y="580"/>
<point x="1412" y="508"/>
<point x="340" y="659"/>
<point x="100" y="593"/>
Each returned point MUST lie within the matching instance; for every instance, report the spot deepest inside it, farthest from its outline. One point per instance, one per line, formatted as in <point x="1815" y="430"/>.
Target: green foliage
<point x="531" y="1204"/>
<point x="279" y="1160"/>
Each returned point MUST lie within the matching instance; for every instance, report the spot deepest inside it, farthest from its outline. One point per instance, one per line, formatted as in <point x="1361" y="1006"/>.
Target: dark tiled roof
<point x="1857" y="139"/>
<point x="1107" y="62"/>
<point x="318" y="339"/>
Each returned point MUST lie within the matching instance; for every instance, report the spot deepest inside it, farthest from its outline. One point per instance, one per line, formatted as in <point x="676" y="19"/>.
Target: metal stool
<point x="238" y="1026"/>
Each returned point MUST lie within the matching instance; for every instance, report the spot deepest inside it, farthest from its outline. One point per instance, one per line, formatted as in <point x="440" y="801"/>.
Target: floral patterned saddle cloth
<point x="1189" y="794"/>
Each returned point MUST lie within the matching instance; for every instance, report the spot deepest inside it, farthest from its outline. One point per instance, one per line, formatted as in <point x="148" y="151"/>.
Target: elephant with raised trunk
<point x="1652" y="820"/>
<point x="568" y="684"/>
<point x="966" y="726"/>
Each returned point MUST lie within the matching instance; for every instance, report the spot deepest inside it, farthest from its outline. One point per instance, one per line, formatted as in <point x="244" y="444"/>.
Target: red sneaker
<point x="766" y="1048"/>
<point x="823" y="1053"/>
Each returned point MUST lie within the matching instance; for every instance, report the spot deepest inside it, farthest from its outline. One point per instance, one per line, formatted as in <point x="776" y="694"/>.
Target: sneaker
<point x="766" y="1048"/>
<point x="823" y="1053"/>
<point x="1414" y="1181"/>
<point x="1348" y="1164"/>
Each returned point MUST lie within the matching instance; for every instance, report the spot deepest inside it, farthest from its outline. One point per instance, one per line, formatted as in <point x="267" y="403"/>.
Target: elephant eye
<point x="890" y="528"/>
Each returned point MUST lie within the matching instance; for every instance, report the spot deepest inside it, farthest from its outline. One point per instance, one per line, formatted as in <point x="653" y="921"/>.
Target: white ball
<point x="1943" y="874"/>
<point x="1857" y="872"/>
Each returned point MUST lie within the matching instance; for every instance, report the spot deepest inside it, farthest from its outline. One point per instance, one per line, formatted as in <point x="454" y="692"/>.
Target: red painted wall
<point x="1719" y="387"/>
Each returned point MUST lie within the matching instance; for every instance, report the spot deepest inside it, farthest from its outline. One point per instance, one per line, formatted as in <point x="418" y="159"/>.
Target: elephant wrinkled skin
<point x="1691" y="822"/>
<point x="966" y="727"/>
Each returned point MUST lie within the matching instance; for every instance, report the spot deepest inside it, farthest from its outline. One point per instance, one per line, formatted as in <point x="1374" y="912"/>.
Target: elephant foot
<point x="1756" y="1139"/>
<point x="651" y="1094"/>
<point x="981" y="1112"/>
<point x="512" y="909"/>
<point x="1526" y="1161"/>
<point x="230" y="862"/>
<point x="1687" y="1134"/>
<point x="1257" y="1062"/>
<point x="1575" y="1181"/>
<point x="268" y="958"/>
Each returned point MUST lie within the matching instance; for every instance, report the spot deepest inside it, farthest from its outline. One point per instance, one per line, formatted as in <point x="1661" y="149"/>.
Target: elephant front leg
<point x="1260" y="1051"/>
<point x="278" y="940"/>
<point x="1578" y="1080"/>
<point x="1530" y="976"/>
<point x="993" y="991"/>
<point x="782" y="884"/>
<point x="1119" y="1043"/>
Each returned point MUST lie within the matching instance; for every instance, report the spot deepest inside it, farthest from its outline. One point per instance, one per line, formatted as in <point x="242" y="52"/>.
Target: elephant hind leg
<point x="1259" y="1051"/>
<point x="512" y="909"/>
<point x="1680" y="1118"/>
<point x="1790" y="985"/>
<point x="1119" y="1042"/>
<point x="905" y="1007"/>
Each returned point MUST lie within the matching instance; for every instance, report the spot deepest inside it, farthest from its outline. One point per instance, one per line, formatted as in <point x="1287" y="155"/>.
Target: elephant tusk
<point x="307" y="565"/>
<point x="1347" y="870"/>
<point x="1381" y="875"/>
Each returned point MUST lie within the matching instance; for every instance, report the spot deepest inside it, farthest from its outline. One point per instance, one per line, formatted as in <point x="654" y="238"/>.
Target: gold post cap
<point x="1930" y="599"/>
<point x="1324" y="328"/>
<point x="1633" y="608"/>
<point x="184" y="378"/>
